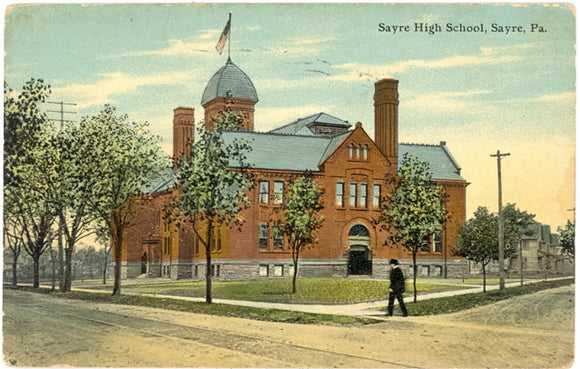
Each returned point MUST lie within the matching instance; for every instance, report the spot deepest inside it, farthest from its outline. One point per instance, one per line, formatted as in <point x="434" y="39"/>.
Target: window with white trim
<point x="263" y="241"/>
<point x="362" y="195"/>
<point x="264" y="191"/>
<point x="278" y="192"/>
<point x="339" y="199"/>
<point x="376" y="195"/>
<point x="352" y="194"/>
<point x="278" y="237"/>
<point x="437" y="242"/>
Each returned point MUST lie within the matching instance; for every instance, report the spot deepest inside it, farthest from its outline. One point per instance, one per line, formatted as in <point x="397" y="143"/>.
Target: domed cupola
<point x="230" y="88"/>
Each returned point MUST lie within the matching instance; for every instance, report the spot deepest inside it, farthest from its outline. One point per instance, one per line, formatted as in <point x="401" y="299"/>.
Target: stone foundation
<point x="226" y="270"/>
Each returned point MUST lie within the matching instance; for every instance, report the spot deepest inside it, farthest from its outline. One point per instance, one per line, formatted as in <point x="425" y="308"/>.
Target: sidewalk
<point x="373" y="310"/>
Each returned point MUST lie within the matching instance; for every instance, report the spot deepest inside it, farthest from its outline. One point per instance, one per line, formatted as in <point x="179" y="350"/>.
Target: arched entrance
<point x="360" y="257"/>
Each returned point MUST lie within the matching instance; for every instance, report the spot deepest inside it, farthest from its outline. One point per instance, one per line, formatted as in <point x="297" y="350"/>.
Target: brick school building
<point x="345" y="161"/>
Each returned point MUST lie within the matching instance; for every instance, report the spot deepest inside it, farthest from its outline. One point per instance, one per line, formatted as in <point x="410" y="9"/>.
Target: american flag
<point x="224" y="37"/>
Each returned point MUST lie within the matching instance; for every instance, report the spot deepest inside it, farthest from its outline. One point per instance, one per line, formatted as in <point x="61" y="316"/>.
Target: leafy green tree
<point x="478" y="239"/>
<point x="115" y="160"/>
<point x="210" y="193"/>
<point x="30" y="161"/>
<point x="414" y="210"/>
<point x="77" y="221"/>
<point x="516" y="222"/>
<point x="299" y="219"/>
<point x="567" y="239"/>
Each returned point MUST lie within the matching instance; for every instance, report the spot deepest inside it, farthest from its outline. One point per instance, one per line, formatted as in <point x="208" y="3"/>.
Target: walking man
<point x="397" y="288"/>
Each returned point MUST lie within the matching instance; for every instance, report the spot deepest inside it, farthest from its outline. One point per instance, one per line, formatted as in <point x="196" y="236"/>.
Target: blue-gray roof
<point x="302" y="126"/>
<point x="162" y="182"/>
<point x="229" y="81"/>
<point x="286" y="152"/>
<point x="442" y="164"/>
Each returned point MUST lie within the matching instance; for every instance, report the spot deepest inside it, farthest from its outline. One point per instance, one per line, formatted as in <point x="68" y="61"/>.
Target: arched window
<point x="357" y="151"/>
<point x="359" y="230"/>
<point x="350" y="150"/>
<point x="365" y="152"/>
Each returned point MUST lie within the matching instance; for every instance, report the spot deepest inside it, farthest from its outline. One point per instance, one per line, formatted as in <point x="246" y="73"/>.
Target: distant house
<point x="345" y="161"/>
<point x="540" y="253"/>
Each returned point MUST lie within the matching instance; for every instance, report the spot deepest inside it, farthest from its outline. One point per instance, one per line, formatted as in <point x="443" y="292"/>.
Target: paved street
<point x="529" y="331"/>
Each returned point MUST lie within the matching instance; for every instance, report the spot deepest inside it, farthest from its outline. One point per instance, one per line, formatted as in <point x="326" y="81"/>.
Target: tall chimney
<point x="182" y="131"/>
<point x="387" y="118"/>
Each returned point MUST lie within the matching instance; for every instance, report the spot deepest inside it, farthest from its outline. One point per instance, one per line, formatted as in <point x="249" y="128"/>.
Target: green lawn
<point x="324" y="290"/>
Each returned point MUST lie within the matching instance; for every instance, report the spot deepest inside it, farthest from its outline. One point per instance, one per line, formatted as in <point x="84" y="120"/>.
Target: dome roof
<point x="229" y="81"/>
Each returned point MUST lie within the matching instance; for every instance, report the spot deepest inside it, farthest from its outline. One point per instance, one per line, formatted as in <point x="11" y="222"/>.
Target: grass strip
<point x="248" y="312"/>
<point x="452" y="304"/>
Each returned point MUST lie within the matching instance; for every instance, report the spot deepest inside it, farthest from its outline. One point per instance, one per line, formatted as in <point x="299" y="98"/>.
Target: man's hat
<point x="394" y="262"/>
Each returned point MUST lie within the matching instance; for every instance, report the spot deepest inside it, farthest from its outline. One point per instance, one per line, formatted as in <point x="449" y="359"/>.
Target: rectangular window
<point x="278" y="270"/>
<point x="339" y="200"/>
<point x="438" y="271"/>
<point x="352" y="194"/>
<point x="264" y="192"/>
<point x="437" y="242"/>
<point x="425" y="270"/>
<point x="278" y="192"/>
<point x="263" y="236"/>
<point x="363" y="195"/>
<point x="278" y="238"/>
<point x="425" y="244"/>
<point x="263" y="271"/>
<point x="376" y="195"/>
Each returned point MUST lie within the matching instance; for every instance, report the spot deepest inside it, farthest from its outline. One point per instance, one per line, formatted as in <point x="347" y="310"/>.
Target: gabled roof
<point x="286" y="152"/>
<point x="302" y="126"/>
<point x="163" y="182"/>
<point x="229" y="81"/>
<point x="442" y="164"/>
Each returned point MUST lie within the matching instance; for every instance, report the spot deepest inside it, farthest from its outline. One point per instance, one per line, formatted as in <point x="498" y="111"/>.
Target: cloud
<point x="114" y="84"/>
<point x="300" y="46"/>
<point x="446" y="101"/>
<point x="559" y="98"/>
<point x="487" y="55"/>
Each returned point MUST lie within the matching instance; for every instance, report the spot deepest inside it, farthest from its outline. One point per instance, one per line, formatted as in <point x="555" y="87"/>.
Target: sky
<point x="480" y="92"/>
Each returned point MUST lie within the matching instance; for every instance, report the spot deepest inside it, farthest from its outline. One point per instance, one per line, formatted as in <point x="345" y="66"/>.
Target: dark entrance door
<point x="359" y="261"/>
<point x="144" y="263"/>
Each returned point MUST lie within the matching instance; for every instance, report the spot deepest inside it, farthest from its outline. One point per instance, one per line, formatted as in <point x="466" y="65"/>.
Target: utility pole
<point x="61" y="263"/>
<point x="500" y="212"/>
<point x="61" y="111"/>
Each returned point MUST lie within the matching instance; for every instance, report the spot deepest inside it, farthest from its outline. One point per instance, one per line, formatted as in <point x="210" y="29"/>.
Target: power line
<point x="61" y="111"/>
<point x="500" y="231"/>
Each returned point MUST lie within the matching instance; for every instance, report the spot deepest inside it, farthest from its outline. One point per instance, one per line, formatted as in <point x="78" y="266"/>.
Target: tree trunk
<point x="484" y="280"/>
<point x="117" y="239"/>
<point x="36" y="268"/>
<point x="68" y="251"/>
<point x="15" y="268"/>
<point x="105" y="268"/>
<point x="54" y="272"/>
<point x="61" y="263"/>
<point x="295" y="257"/>
<point x="414" y="276"/>
<point x="208" y="296"/>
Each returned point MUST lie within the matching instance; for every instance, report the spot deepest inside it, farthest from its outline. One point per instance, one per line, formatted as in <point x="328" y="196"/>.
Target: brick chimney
<point x="182" y="131"/>
<point x="387" y="118"/>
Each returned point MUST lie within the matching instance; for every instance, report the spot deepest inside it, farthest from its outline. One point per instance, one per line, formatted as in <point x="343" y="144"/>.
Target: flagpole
<point x="230" y="35"/>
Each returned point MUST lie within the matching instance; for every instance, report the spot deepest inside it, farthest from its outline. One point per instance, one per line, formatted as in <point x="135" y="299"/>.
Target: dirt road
<point x="533" y="331"/>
